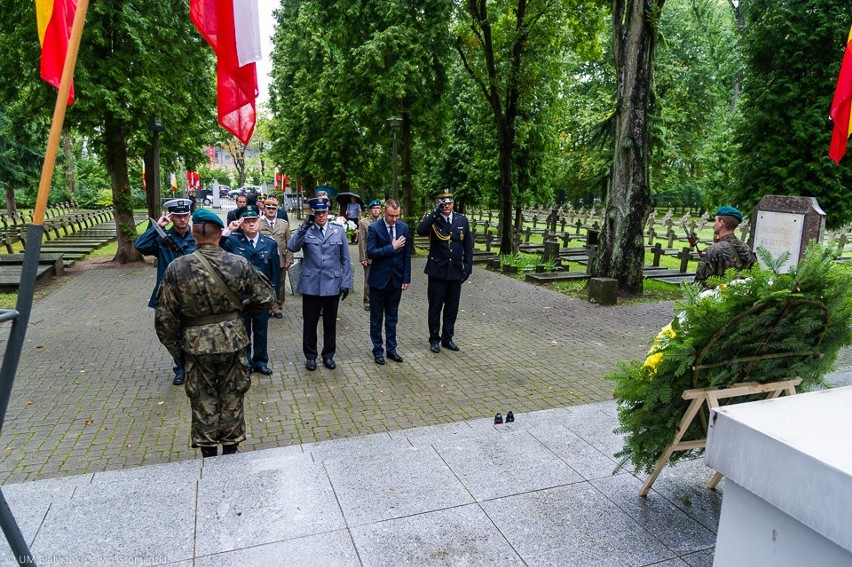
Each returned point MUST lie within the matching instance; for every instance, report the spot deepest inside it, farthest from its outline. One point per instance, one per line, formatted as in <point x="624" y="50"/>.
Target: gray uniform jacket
<point x="326" y="268"/>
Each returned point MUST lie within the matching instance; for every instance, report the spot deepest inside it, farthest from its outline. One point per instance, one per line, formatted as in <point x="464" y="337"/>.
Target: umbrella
<point x="344" y="198"/>
<point x="331" y="191"/>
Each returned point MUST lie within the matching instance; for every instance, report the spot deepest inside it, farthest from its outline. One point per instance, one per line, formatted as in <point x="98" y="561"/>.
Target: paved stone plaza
<point x="94" y="391"/>
<point x="364" y="465"/>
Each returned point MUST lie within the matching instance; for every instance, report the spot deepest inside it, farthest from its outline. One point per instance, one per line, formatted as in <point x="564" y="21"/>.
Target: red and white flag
<point x="54" y="19"/>
<point x="232" y="29"/>
<point x="277" y="178"/>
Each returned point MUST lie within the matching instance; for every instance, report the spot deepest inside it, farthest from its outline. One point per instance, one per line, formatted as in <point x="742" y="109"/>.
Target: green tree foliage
<point x="793" y="50"/>
<point x="510" y="50"/>
<point x="695" y="68"/>
<point x="335" y="84"/>
<point x="137" y="58"/>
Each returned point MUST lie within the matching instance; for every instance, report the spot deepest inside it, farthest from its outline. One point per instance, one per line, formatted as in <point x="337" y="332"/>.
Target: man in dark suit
<point x="449" y="265"/>
<point x="262" y="252"/>
<point x="389" y="247"/>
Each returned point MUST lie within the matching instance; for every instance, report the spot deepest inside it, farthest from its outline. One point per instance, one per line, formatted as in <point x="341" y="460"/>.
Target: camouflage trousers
<point x="215" y="385"/>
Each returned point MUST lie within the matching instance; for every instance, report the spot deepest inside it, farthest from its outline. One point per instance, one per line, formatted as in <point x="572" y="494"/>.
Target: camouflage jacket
<point x="728" y="252"/>
<point x="189" y="292"/>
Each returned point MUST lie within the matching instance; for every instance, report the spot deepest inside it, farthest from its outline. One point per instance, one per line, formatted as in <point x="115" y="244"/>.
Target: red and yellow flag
<point x="54" y="19"/>
<point x="841" y="105"/>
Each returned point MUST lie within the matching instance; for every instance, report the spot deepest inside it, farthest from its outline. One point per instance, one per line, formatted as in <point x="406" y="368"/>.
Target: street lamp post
<point x="394" y="122"/>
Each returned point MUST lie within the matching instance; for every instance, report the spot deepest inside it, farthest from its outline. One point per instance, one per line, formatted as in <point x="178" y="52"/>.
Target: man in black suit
<point x="449" y="265"/>
<point x="389" y="247"/>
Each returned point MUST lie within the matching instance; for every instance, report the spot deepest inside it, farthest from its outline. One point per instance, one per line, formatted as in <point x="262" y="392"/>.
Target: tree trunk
<point x="407" y="186"/>
<point x="505" y="147"/>
<point x="621" y="250"/>
<point x="11" y="206"/>
<point x="122" y="200"/>
<point x="68" y="152"/>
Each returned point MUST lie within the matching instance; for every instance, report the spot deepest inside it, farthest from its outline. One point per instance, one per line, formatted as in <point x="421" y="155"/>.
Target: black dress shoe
<point x="435" y="346"/>
<point x="392" y="354"/>
<point x="278" y="315"/>
<point x="311" y="365"/>
<point x="448" y="343"/>
<point x="498" y="419"/>
<point x="179" y="379"/>
<point x="510" y="417"/>
<point x="265" y="370"/>
<point x="329" y="363"/>
<point x="379" y="358"/>
<point x="366" y="307"/>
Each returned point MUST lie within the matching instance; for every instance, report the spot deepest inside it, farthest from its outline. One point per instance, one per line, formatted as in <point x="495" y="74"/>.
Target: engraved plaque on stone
<point x="778" y="233"/>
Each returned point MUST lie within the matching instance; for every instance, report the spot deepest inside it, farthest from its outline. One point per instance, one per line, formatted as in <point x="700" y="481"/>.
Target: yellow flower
<point x="652" y="362"/>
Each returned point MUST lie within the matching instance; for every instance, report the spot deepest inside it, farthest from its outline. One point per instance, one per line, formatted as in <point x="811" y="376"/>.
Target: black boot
<point x="209" y="451"/>
<point x="229" y="449"/>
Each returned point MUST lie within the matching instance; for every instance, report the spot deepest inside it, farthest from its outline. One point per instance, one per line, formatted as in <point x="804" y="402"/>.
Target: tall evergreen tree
<point x="793" y="52"/>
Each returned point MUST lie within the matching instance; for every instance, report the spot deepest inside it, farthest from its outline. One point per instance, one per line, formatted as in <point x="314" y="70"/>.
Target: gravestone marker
<point x="784" y="223"/>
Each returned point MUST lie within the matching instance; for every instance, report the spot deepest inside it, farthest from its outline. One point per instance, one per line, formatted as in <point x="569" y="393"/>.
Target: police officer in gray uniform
<point x="198" y="317"/>
<point x="326" y="278"/>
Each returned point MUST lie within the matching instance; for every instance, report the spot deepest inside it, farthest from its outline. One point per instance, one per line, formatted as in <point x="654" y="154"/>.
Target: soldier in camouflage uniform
<point x="728" y="251"/>
<point x="199" y="315"/>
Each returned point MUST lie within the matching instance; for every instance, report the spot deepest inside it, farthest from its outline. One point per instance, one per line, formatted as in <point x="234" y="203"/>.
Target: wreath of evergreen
<point x="764" y="328"/>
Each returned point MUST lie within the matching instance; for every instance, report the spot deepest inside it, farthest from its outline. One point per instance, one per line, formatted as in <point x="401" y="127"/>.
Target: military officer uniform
<point x="728" y="251"/>
<point x="279" y="230"/>
<point x="449" y="264"/>
<point x="198" y="317"/>
<point x="326" y="276"/>
<point x="263" y="255"/>
<point x="363" y="225"/>
<point x="175" y="245"/>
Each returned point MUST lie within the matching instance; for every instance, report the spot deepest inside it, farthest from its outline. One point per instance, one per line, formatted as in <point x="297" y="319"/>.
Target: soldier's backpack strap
<point x="218" y="279"/>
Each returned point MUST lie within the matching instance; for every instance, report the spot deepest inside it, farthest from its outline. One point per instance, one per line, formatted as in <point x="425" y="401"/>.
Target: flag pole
<point x="21" y="315"/>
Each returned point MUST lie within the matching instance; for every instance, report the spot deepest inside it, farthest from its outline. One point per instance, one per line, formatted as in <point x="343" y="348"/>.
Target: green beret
<point x="204" y="216"/>
<point x="374" y="203"/>
<point x="729" y="212"/>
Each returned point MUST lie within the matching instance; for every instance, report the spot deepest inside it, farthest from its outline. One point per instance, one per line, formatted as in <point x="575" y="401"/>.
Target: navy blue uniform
<point x="150" y="243"/>
<point x="450" y="263"/>
<point x="264" y="258"/>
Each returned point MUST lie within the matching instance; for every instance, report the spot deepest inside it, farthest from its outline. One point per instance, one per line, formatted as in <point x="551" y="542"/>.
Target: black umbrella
<point x="344" y="198"/>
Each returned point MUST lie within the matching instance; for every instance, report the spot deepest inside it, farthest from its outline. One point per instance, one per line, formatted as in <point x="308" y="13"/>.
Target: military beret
<point x="374" y="203"/>
<point x="178" y="206"/>
<point x="205" y="216"/>
<point x="729" y="212"/>
<point x="250" y="212"/>
<point x="319" y="204"/>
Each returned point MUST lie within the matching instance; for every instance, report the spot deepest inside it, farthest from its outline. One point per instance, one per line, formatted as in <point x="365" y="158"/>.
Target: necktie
<point x="253" y="243"/>
<point x="390" y="232"/>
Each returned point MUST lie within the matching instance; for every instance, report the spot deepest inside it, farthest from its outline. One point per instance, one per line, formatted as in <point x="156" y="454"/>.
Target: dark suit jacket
<point x="264" y="257"/>
<point x="389" y="266"/>
<point x="450" y="246"/>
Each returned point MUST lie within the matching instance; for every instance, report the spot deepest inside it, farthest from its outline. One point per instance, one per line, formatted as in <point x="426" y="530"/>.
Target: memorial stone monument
<point x="785" y="223"/>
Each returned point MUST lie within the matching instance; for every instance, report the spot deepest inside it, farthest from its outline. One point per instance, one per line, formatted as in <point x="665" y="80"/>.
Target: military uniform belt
<point x="208" y="319"/>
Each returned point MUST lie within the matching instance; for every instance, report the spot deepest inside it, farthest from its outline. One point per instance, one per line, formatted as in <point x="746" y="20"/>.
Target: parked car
<point x="204" y="196"/>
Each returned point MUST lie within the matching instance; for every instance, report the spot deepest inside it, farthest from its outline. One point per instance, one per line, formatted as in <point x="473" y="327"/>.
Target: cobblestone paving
<point x="94" y="391"/>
